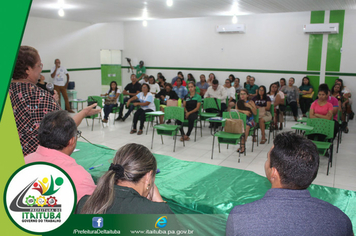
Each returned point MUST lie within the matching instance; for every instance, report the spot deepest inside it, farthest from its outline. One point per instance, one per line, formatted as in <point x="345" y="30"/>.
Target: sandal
<point x="346" y="130"/>
<point x="241" y="149"/>
<point x="139" y="132"/>
<point x="254" y="139"/>
<point x="181" y="139"/>
<point x="263" y="141"/>
<point x="105" y="121"/>
<point x="186" y="138"/>
<point x="133" y="131"/>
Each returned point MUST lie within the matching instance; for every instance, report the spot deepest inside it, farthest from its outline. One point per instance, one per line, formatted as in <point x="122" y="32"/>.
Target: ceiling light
<point x="61" y="2"/>
<point x="234" y="19"/>
<point x="61" y="12"/>
<point x="144" y="23"/>
<point x="169" y="3"/>
<point x="144" y="14"/>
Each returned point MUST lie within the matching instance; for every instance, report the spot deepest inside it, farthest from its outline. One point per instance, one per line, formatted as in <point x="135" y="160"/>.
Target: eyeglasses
<point x="79" y="134"/>
<point x="40" y="66"/>
<point x="243" y="93"/>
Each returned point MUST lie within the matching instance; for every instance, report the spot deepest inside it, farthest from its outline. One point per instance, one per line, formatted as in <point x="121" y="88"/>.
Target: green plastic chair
<point x="176" y="113"/>
<point x="150" y="117"/>
<point x="229" y="138"/>
<point x="209" y="103"/>
<point x="324" y="127"/>
<point x="99" y="101"/>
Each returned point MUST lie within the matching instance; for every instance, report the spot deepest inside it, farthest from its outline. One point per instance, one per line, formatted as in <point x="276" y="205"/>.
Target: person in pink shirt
<point x="324" y="107"/>
<point x="58" y="137"/>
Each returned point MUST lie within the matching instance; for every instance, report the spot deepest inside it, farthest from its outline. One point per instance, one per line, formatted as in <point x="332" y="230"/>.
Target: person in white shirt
<point x="147" y="104"/>
<point x="154" y="87"/>
<point x="60" y="80"/>
<point x="217" y="91"/>
<point x="277" y="98"/>
<point x="230" y="93"/>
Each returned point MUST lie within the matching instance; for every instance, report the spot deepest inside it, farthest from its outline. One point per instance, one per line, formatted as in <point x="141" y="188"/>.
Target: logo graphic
<point x="98" y="222"/>
<point x="43" y="203"/>
<point x="161" y="222"/>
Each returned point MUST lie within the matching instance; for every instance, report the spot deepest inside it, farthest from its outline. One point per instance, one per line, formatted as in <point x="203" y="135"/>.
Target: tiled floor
<point x="342" y="174"/>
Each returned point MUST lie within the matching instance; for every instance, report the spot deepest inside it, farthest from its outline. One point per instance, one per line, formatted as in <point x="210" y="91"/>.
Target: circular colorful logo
<point x="39" y="197"/>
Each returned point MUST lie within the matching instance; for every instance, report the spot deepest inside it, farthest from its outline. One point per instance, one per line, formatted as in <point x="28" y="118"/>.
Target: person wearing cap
<point x="140" y="70"/>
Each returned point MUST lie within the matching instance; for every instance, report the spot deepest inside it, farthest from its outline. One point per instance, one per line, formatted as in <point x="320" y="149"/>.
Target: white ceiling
<point x="98" y="11"/>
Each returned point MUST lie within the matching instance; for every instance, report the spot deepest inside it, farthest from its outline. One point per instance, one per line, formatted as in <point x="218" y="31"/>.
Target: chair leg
<point x="87" y="121"/>
<point x="195" y="135"/>
<point x="148" y="124"/>
<point x="253" y="143"/>
<point x="153" y="134"/>
<point x="227" y="146"/>
<point x="212" y="148"/>
<point x="175" y="139"/>
<point x="162" y="139"/>
<point x="269" y="134"/>
<point x="201" y="129"/>
<point x="338" y="141"/>
<point x="92" y="125"/>
<point x="219" y="146"/>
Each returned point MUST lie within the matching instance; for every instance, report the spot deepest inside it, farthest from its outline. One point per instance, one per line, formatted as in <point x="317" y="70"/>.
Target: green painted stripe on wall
<point x="340" y="74"/>
<point x="230" y="70"/>
<point x="333" y="56"/>
<point x="76" y="69"/>
<point x="315" y="43"/>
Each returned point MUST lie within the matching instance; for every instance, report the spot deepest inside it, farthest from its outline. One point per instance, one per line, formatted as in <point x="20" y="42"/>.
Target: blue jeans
<point x="108" y="109"/>
<point x="131" y="107"/>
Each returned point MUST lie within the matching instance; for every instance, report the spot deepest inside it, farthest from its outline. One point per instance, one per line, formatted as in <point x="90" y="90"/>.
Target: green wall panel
<point x="314" y="81"/>
<point x="330" y="81"/>
<point x="333" y="56"/>
<point x="107" y="72"/>
<point x="315" y="42"/>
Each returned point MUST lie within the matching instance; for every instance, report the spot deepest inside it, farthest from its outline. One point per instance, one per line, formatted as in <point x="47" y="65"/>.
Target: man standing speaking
<point x="61" y="79"/>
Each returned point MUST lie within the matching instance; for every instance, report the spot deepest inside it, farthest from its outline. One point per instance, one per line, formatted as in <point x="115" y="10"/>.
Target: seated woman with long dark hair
<point x="191" y="104"/>
<point x="147" y="104"/>
<point x="247" y="107"/>
<point x="113" y="94"/>
<point x="306" y="91"/>
<point x="127" y="187"/>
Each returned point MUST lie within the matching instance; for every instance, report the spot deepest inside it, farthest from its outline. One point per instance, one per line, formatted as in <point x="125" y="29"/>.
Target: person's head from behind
<point x="291" y="81"/>
<point x="323" y="92"/>
<point x="168" y="87"/>
<point x="133" y="166"/>
<point x="58" y="131"/>
<point x="180" y="75"/>
<point x="179" y="82"/>
<point x="306" y="81"/>
<point x="202" y="78"/>
<point x="152" y="79"/>
<point x="292" y="162"/>
<point x="133" y="78"/>
<point x="113" y="86"/>
<point x="28" y="65"/>
<point x="215" y="84"/>
<point x="282" y="82"/>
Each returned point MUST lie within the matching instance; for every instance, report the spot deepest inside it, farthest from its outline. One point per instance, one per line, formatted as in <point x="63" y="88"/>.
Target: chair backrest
<point x="98" y="100"/>
<point x="176" y="113"/>
<point x="272" y="110"/>
<point x="121" y="98"/>
<point x="157" y="104"/>
<point x="234" y="115"/>
<point x="210" y="103"/>
<point x="321" y="126"/>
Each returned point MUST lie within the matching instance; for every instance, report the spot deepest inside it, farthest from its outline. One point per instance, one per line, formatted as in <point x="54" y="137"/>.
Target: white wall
<point x="77" y="45"/>
<point x="271" y="41"/>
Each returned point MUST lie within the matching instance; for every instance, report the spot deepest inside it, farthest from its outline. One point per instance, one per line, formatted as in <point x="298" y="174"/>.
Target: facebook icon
<point x="98" y="222"/>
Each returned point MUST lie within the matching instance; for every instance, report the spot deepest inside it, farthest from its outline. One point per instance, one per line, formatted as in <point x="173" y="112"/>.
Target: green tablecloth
<point x="199" y="188"/>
